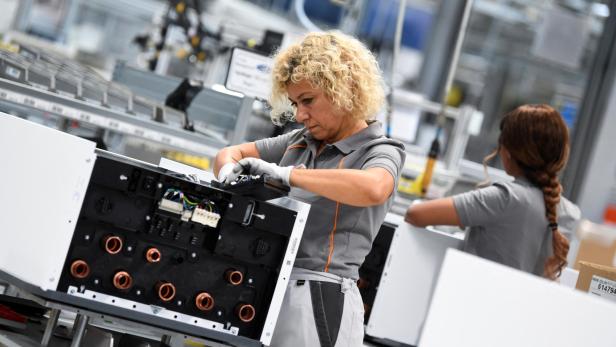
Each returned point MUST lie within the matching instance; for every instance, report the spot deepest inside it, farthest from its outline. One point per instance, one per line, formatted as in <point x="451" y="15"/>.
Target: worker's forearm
<point x="435" y="212"/>
<point x="348" y="186"/>
<point x="234" y="154"/>
<point x="226" y="155"/>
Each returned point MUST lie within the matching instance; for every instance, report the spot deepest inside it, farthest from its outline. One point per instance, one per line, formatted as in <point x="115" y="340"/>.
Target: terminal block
<point x="171" y="206"/>
<point x="205" y="217"/>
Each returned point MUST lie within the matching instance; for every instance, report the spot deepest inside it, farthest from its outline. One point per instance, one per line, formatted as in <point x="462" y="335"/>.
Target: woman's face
<point x="325" y="121"/>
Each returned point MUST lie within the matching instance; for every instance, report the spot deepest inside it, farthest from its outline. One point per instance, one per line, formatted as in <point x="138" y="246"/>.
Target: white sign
<point x="250" y="73"/>
<point x="603" y="287"/>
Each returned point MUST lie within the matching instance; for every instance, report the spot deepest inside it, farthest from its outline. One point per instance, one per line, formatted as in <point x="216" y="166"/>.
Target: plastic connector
<point x="186" y="215"/>
<point x="171" y="206"/>
<point x="205" y="217"/>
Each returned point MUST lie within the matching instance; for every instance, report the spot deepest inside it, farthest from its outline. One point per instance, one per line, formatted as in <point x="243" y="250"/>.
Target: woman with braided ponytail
<point x="516" y="223"/>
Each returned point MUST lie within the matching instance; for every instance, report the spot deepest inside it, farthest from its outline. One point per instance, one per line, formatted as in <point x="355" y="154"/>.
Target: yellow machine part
<point x="410" y="186"/>
<point x="192" y="160"/>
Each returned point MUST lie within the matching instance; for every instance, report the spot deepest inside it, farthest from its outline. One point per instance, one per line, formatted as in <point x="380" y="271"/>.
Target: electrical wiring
<point x="188" y="202"/>
<point x="176" y="195"/>
<point x="189" y="205"/>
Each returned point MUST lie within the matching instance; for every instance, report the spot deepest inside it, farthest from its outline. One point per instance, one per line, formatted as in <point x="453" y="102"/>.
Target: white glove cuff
<point x="285" y="174"/>
<point x="224" y="171"/>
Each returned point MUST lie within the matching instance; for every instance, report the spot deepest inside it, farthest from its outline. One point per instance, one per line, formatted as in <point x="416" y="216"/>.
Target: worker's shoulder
<point x="383" y="142"/>
<point x="518" y="190"/>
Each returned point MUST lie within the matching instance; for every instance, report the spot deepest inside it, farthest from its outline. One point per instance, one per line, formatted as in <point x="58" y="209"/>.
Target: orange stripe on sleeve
<point x="294" y="147"/>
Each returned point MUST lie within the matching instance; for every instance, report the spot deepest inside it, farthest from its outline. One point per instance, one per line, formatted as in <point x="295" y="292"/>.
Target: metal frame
<point x="302" y="209"/>
<point x="458" y="138"/>
<point x="107" y="118"/>
<point x="592" y="111"/>
<point x="157" y="87"/>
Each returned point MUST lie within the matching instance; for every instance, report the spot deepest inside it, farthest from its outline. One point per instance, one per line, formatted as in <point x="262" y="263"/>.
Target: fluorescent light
<point x="599" y="9"/>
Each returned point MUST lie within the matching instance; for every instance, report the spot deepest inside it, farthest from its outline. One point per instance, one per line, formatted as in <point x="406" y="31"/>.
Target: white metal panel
<point x="481" y="303"/>
<point x="408" y="279"/>
<point x="43" y="181"/>
<point x="302" y="210"/>
<point x="569" y="277"/>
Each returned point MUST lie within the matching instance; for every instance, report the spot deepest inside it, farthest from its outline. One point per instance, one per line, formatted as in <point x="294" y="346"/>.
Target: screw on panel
<point x="159" y="185"/>
<point x="230" y="205"/>
<point x="147" y="218"/>
<point x="193" y="255"/>
<point x="250" y="280"/>
<point x="129" y="248"/>
<point x="87" y="237"/>
<point x="219" y="313"/>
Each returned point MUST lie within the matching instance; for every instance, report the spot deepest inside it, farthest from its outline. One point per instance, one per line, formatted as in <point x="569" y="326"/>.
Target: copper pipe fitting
<point x="153" y="255"/>
<point x="234" y="277"/>
<point x="165" y="290"/>
<point x="245" y="312"/>
<point x="204" y="301"/>
<point x="80" y="269"/>
<point x="122" y="280"/>
<point x="112" y="244"/>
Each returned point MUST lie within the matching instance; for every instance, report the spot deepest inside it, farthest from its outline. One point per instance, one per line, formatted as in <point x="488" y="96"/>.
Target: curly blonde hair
<point x="338" y="64"/>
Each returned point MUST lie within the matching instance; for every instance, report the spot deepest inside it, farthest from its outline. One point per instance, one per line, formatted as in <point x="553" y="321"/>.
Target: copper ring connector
<point x="234" y="277"/>
<point x="245" y="312"/>
<point x="112" y="244"/>
<point x="153" y="255"/>
<point x="122" y="280"/>
<point x="80" y="269"/>
<point x="165" y="290"/>
<point x="204" y="301"/>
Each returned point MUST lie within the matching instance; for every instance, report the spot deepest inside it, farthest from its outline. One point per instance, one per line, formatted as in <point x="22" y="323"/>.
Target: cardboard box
<point x="597" y="244"/>
<point x="599" y="280"/>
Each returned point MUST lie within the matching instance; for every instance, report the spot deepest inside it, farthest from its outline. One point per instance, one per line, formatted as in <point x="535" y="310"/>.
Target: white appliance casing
<point x="43" y="181"/>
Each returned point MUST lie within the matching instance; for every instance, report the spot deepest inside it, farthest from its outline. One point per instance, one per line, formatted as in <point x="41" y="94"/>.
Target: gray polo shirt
<point x="508" y="224"/>
<point x="345" y="232"/>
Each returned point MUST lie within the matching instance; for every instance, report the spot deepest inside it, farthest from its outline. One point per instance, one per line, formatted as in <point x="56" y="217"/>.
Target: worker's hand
<point x="224" y="171"/>
<point x="256" y="166"/>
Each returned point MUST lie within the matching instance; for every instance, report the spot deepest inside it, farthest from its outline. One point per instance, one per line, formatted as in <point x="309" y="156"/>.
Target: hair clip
<point x="553" y="226"/>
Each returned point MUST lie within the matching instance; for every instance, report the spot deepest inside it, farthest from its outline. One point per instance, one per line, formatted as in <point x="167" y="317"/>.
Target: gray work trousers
<point x="320" y="309"/>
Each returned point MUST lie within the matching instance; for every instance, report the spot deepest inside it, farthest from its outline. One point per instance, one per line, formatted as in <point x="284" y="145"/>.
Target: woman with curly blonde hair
<point x="341" y="164"/>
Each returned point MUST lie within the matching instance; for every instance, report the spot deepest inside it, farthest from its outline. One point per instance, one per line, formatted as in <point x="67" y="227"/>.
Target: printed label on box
<point x="603" y="287"/>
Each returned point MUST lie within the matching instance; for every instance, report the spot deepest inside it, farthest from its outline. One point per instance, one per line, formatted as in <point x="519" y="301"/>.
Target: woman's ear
<point x="506" y="153"/>
<point x="505" y="158"/>
<point x="510" y="165"/>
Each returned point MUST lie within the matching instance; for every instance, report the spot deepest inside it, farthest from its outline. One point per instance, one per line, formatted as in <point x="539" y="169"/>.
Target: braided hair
<point x="538" y="140"/>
